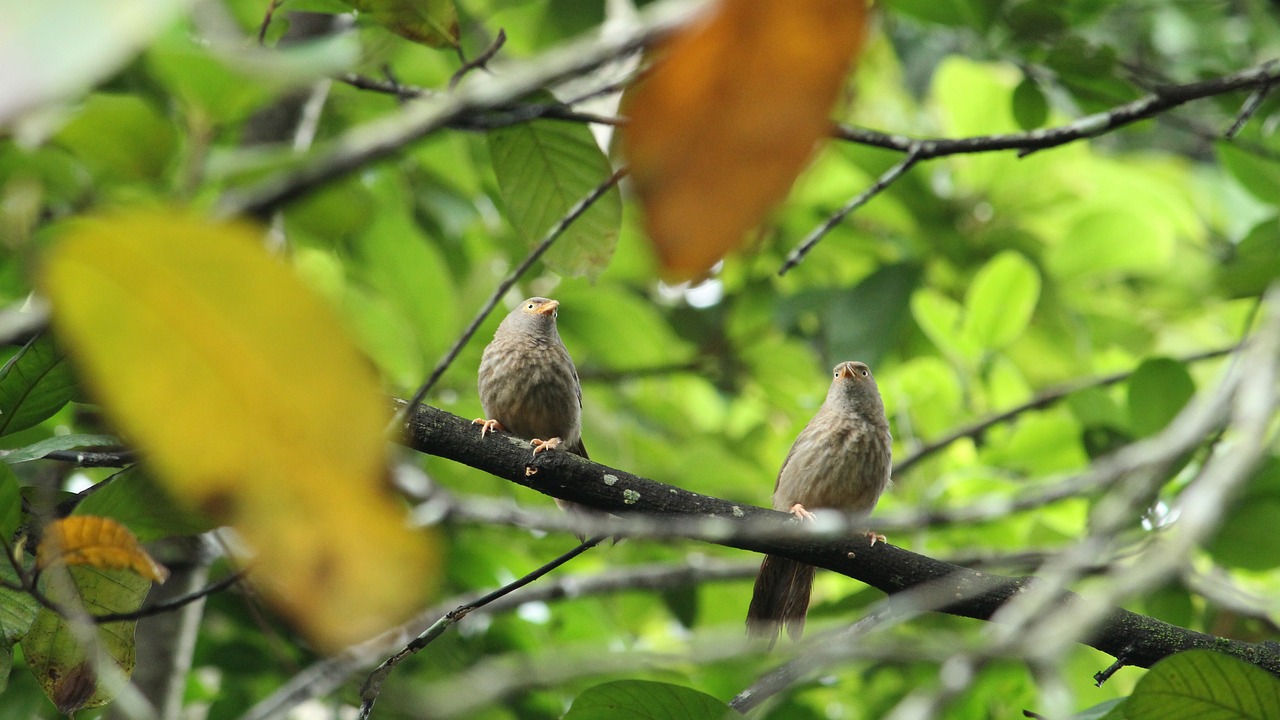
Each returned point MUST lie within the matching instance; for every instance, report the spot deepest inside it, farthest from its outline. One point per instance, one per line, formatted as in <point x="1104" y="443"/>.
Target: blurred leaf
<point x="134" y="500"/>
<point x="97" y="542"/>
<point x="939" y="317"/>
<point x="35" y="451"/>
<point x="1034" y="21"/>
<point x="1109" y="242"/>
<point x="646" y="700"/>
<point x="215" y="342"/>
<point x="1200" y="684"/>
<point x="1255" y="264"/>
<point x="34" y="385"/>
<point x="727" y="118"/>
<point x="865" y="322"/>
<point x="940" y="12"/>
<point x="120" y="138"/>
<point x="682" y="602"/>
<point x="64" y="48"/>
<point x="1110" y="710"/>
<point x="1249" y="540"/>
<point x="1000" y="301"/>
<point x="544" y="168"/>
<point x="431" y="22"/>
<point x="1259" y="175"/>
<point x="1030" y="108"/>
<point x="1158" y="390"/>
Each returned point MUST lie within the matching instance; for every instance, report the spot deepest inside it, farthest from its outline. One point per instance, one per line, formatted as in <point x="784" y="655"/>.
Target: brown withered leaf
<point x="729" y="115"/>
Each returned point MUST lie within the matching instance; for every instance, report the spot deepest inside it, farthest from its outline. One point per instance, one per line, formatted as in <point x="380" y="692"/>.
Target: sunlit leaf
<point x="729" y="115"/>
<point x="544" y="168"/>
<point x="430" y="22"/>
<point x="98" y="542"/>
<point x="79" y="665"/>
<point x="646" y="700"/>
<point x="1000" y="300"/>
<point x="34" y="385"/>
<point x="250" y="403"/>
<point x="1200" y="684"/>
<point x="65" y="47"/>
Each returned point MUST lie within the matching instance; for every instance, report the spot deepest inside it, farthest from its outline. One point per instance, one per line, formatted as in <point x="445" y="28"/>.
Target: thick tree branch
<point x="1137" y="639"/>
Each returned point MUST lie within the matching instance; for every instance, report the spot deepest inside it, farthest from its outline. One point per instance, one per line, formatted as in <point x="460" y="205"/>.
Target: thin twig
<point x="1040" y="401"/>
<point x="373" y="684"/>
<point x="888" y="178"/>
<point x="552" y="235"/>
<point x="266" y="20"/>
<point x="175" y="603"/>
<point x="1247" y="111"/>
<point x="379" y="139"/>
<point x="480" y="60"/>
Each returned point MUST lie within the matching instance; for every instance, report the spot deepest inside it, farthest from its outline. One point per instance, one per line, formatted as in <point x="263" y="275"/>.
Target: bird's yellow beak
<point x="548" y="308"/>
<point x="844" y="370"/>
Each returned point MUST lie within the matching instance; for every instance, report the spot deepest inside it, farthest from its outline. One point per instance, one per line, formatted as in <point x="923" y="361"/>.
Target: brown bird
<point x="528" y="384"/>
<point x="841" y="461"/>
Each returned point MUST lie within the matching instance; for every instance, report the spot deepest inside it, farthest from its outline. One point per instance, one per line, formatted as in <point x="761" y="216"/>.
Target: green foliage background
<point x="969" y="285"/>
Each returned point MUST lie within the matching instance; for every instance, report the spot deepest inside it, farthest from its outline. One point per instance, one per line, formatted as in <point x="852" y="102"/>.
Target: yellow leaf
<point x="250" y="402"/>
<point x="97" y="541"/>
<point x="430" y="22"/>
<point x="728" y="117"/>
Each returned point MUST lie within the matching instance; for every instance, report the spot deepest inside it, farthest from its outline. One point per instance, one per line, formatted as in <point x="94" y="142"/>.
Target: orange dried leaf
<point x="728" y="117"/>
<point x="99" y="542"/>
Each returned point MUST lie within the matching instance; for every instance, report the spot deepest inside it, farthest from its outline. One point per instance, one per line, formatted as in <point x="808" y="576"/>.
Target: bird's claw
<point x="876" y="537"/>
<point x="800" y="513"/>
<point x="488" y="426"/>
<point x="530" y="471"/>
<point x="541" y="445"/>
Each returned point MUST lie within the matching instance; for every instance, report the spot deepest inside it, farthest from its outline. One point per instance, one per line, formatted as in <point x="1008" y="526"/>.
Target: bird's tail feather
<point x="780" y="599"/>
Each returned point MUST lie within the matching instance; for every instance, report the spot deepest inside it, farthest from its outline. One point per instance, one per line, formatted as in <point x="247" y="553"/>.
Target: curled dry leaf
<point x="97" y="541"/>
<point x="728" y="117"/>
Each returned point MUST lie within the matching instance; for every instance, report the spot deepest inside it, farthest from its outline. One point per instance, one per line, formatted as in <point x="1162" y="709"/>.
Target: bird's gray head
<point x="854" y="384"/>
<point x="536" y="316"/>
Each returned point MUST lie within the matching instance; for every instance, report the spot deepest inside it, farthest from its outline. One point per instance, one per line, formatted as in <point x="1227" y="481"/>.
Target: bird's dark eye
<point x="529" y="307"/>
<point x="864" y="373"/>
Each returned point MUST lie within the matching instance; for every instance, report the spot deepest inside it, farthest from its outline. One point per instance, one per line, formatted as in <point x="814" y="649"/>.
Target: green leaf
<point x="1250" y="541"/>
<point x="1109" y="242"/>
<point x="1030" y="108"/>
<point x="120" y="138"/>
<point x="682" y="602"/>
<point x="431" y="22"/>
<point x="544" y="168"/>
<point x="10" y="503"/>
<point x="939" y="317"/>
<point x="137" y="502"/>
<point x="34" y="384"/>
<point x="1204" y="685"/>
<point x="865" y="322"/>
<point x="1112" y="709"/>
<point x="17" y="611"/>
<point x="1000" y="301"/>
<point x="1255" y="264"/>
<point x="1158" y="390"/>
<point x="52" y="647"/>
<point x="645" y="700"/>
<point x="35" y="451"/>
<point x="1259" y="175"/>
